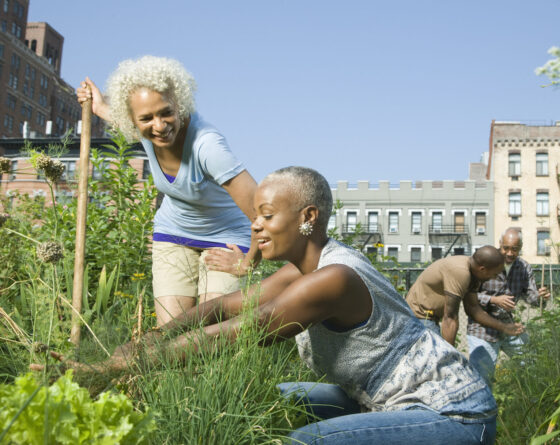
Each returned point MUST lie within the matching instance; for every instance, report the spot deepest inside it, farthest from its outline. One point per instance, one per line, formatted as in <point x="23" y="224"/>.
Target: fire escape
<point x="363" y="235"/>
<point x="452" y="238"/>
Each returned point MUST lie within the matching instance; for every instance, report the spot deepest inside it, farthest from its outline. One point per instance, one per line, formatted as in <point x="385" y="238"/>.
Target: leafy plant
<point x="64" y="413"/>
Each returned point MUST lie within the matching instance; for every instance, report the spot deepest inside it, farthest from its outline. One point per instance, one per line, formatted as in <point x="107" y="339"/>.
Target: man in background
<point x="498" y="297"/>
<point x="437" y="293"/>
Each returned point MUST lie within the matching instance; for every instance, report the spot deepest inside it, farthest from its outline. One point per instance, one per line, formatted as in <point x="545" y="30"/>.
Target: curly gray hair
<point x="309" y="187"/>
<point x="155" y="73"/>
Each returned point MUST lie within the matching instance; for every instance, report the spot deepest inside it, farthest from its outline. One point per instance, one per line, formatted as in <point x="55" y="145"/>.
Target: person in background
<point x="498" y="297"/>
<point x="207" y="206"/>
<point x="436" y="295"/>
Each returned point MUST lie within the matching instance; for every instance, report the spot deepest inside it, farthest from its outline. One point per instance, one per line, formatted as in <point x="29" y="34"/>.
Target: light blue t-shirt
<point x="195" y="205"/>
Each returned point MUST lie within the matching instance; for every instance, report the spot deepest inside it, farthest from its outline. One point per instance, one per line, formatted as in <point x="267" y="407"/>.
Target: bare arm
<point x="450" y="321"/>
<point x="334" y="292"/>
<point x="228" y="306"/>
<point x="475" y="311"/>
<point x="242" y="189"/>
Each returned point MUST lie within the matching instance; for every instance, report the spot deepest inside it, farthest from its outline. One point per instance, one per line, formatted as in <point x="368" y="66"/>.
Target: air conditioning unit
<point x="392" y="230"/>
<point x="480" y="231"/>
<point x="416" y="230"/>
<point x="437" y="229"/>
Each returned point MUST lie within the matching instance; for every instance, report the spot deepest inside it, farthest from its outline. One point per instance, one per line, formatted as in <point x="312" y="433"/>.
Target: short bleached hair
<point x="166" y="76"/>
<point x="308" y="187"/>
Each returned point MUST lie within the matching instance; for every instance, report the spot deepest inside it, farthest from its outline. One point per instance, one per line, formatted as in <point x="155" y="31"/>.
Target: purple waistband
<point x="191" y="242"/>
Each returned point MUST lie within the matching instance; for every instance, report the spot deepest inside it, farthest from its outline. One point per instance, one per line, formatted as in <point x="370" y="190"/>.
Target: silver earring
<point x="306" y="228"/>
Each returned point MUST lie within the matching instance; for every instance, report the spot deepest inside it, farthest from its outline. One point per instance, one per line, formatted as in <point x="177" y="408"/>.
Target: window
<point x="373" y="218"/>
<point x="480" y="223"/>
<point x="542" y="203"/>
<point x="543" y="237"/>
<point x="13" y="170"/>
<point x="42" y="100"/>
<point x="1" y="51"/>
<point x="13" y="81"/>
<point x="415" y="254"/>
<point x="332" y="219"/>
<point x="70" y="171"/>
<point x="9" y="122"/>
<point x="351" y="220"/>
<point x="97" y="173"/>
<point x="11" y="102"/>
<point x="437" y="253"/>
<point x="459" y="222"/>
<point x="458" y="251"/>
<point x="4" y="25"/>
<point x="416" y="222"/>
<point x="40" y="119"/>
<point x="59" y="124"/>
<point x="16" y="61"/>
<point x="515" y="204"/>
<point x="44" y="82"/>
<point x="34" y="45"/>
<point x="64" y="196"/>
<point x="393" y="252"/>
<point x="19" y="9"/>
<point x="393" y="222"/>
<point x="26" y="111"/>
<point x="6" y="5"/>
<point x="542" y="164"/>
<point x="372" y="251"/>
<point x="515" y="164"/>
<point x="437" y="220"/>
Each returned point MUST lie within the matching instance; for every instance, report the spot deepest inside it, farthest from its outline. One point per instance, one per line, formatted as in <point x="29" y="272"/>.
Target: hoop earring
<point x="306" y="228"/>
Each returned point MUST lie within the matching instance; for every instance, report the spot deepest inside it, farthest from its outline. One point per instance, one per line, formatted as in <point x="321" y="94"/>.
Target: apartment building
<point x="34" y="99"/>
<point x="417" y="222"/>
<point x="523" y="164"/>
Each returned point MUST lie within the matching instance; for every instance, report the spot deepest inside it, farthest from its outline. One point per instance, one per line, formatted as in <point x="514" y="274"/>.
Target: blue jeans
<point x="344" y="424"/>
<point x="483" y="354"/>
<point x="431" y="325"/>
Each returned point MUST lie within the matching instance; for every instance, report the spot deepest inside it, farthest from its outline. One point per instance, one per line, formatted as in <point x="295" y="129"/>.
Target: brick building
<point x="523" y="164"/>
<point x="24" y="179"/>
<point x="34" y="100"/>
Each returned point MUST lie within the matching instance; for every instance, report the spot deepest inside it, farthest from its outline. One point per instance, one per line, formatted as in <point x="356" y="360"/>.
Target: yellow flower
<point x="429" y="313"/>
<point x="153" y="314"/>
<point x="138" y="276"/>
<point x="379" y="245"/>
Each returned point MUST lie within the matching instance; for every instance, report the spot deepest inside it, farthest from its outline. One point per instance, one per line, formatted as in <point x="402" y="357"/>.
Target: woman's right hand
<point x="88" y="90"/>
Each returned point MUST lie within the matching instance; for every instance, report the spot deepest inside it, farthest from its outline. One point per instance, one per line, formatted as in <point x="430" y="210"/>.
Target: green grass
<point x="526" y="387"/>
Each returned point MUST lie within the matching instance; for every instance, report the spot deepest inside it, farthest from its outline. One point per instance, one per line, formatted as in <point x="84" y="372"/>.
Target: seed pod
<point x="49" y="252"/>
<point x="52" y="168"/>
<point x="5" y="165"/>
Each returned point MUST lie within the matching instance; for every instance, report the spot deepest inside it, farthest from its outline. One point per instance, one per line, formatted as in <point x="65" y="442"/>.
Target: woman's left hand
<point x="227" y="261"/>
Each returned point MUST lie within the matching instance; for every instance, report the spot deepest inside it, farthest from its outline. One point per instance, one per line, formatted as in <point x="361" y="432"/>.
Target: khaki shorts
<point x="180" y="270"/>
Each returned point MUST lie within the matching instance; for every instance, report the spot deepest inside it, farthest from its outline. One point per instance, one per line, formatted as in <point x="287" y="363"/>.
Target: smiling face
<point x="510" y="246"/>
<point x="156" y="117"/>
<point x="276" y="226"/>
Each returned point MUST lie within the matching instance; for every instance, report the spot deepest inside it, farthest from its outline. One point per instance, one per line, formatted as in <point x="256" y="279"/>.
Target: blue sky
<point x="374" y="90"/>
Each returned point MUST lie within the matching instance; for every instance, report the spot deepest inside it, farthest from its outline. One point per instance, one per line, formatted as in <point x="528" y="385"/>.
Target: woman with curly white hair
<point x="202" y="229"/>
